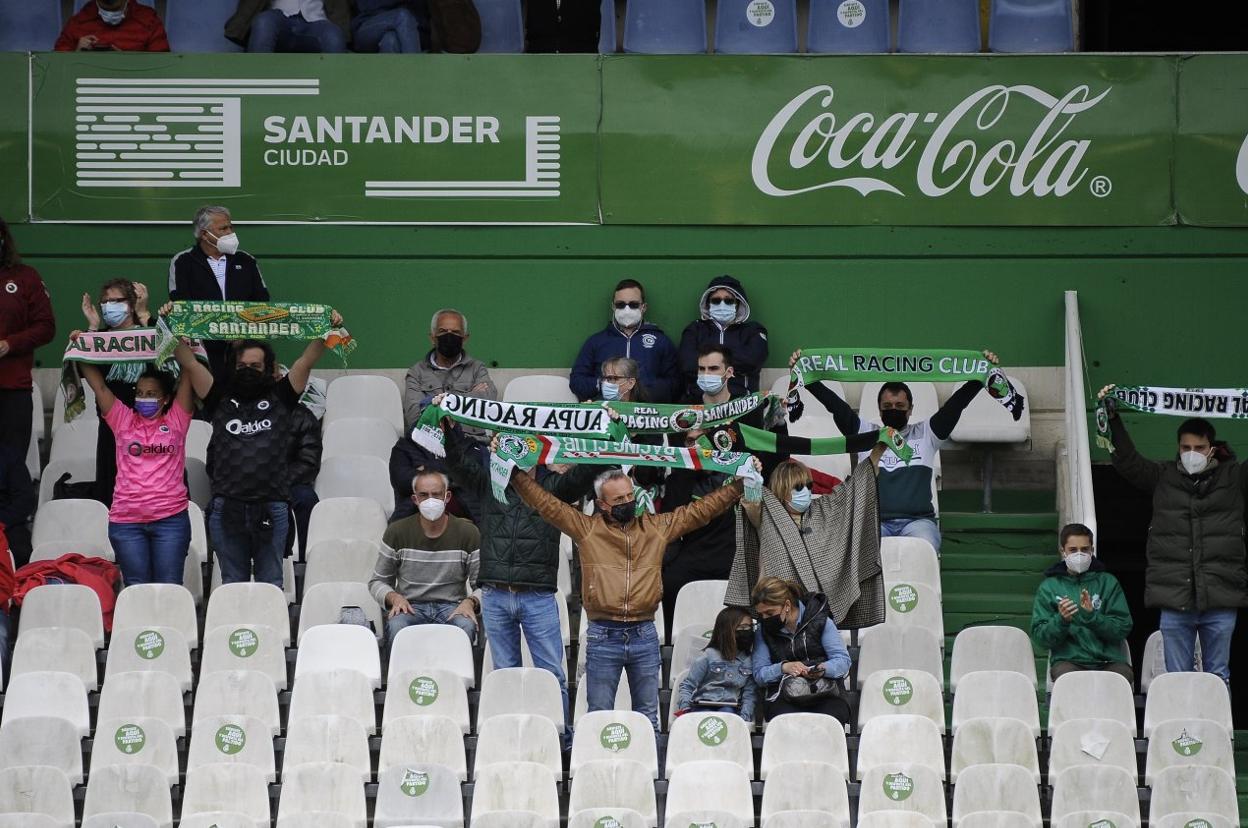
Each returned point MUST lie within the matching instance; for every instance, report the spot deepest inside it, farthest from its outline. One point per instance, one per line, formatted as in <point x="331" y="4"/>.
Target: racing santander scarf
<point x="756" y="439"/>
<point x="135" y="347"/>
<point x="528" y="450"/>
<point x="590" y="420"/>
<point x="662" y="418"/>
<point x="1216" y="403"/>
<point x="256" y="320"/>
<point x="900" y="365"/>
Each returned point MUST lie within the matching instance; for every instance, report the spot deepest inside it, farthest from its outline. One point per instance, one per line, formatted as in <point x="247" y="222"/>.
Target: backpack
<point x="456" y="26"/>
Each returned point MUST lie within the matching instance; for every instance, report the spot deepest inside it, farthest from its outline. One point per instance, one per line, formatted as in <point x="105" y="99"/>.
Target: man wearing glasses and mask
<point x="629" y="336"/>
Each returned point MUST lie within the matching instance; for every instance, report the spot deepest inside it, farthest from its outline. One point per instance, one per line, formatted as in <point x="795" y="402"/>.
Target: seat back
<point x="129" y="787"/>
<point x="1031" y="26"/>
<point x="410" y="739"/>
<point x="340" y="560"/>
<point x="366" y="436"/>
<point x="518" y="786"/>
<point x="756" y="28"/>
<point x="806" y="786"/>
<point x="245" y="604"/>
<point x="938" y="26"/>
<point x="991" y="648"/>
<point x="1188" y="742"/>
<point x="694" y="785"/>
<point x="838" y="27"/>
<point x="910" y="560"/>
<point x="1092" y="694"/>
<point x="226" y="787"/>
<point x="418" y="794"/>
<point x="150" y="647"/>
<point x="343" y="692"/>
<point x="889" y="647"/>
<point x="1002" y="693"/>
<point x="615" y="783"/>
<point x="232" y="738"/>
<point x="665" y="27"/>
<point x="323" y="604"/>
<point x="1090" y="787"/>
<point x="1193" y="789"/>
<point x="140" y="740"/>
<point x="704" y="736"/>
<point x="1177" y="695"/>
<point x="539" y="388"/>
<point x="353" y="476"/>
<point x="328" y="738"/>
<point x="797" y="737"/>
<point x="47" y="693"/>
<point x="887" y="740"/>
<point x="71" y="519"/>
<point x="336" y="646"/>
<point x="162" y="605"/>
<point x="42" y="740"/>
<point x="985" y="420"/>
<point x="697" y="604"/>
<point x="237" y="693"/>
<point x="614" y="734"/>
<point x="433" y="646"/>
<point x="346" y="517"/>
<point x="996" y="788"/>
<point x="903" y="787"/>
<point x="37" y="789"/>
<point x="519" y="737"/>
<point x="994" y="741"/>
<point x="65" y="649"/>
<point x="420" y="691"/>
<point x="144" y="693"/>
<point x="245" y="647"/>
<point x="322" y="787"/>
<point x="364" y="395"/>
<point x="521" y="690"/>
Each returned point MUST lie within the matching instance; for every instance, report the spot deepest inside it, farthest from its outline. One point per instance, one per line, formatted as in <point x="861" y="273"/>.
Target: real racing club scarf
<point x="1213" y="403"/>
<point x="257" y="320"/>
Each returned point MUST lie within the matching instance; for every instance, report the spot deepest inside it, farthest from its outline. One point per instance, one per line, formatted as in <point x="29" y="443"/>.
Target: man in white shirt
<point x="290" y="25"/>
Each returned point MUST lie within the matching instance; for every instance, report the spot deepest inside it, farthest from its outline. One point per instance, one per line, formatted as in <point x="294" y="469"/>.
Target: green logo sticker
<point x="1198" y="823"/>
<point x="703" y="825"/>
<point x="1102" y="823"/>
<point x="149" y="644"/>
<point x="130" y="738"/>
<point x="898" y="787"/>
<point x="712" y="731"/>
<point x="898" y="690"/>
<point x="707" y="635"/>
<point x="903" y="597"/>
<point x="615" y="737"/>
<point x="423" y="691"/>
<point x="414" y="782"/>
<point x="1187" y="745"/>
<point x="244" y="642"/>
<point x="608" y="822"/>
<point x="231" y="739"/>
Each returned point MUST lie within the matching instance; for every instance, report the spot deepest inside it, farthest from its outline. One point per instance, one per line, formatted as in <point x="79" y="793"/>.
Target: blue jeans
<point x="924" y="528"/>
<point x="1178" y="636"/>
<point x="391" y="31"/>
<point x="632" y="646"/>
<point x="505" y="614"/>
<point x="249" y="536"/>
<point x="429" y="612"/>
<point x="5" y="650"/>
<point x="152" y="553"/>
<point x="272" y="31"/>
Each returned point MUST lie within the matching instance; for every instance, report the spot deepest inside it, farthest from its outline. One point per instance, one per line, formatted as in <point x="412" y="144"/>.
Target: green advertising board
<point x="14" y="132"/>
<point x="342" y="138"/>
<point x="1211" y="148"/>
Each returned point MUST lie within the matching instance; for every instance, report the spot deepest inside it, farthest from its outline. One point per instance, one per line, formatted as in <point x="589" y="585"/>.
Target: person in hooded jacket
<point x="629" y="336"/>
<point x="1080" y="614"/>
<point x="1197" y="574"/>
<point x="724" y="320"/>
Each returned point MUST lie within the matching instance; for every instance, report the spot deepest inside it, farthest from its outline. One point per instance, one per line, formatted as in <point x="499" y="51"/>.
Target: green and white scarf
<point x="1212" y="403"/>
<point x="126" y="352"/>
<point x="590" y="420"/>
<point x="664" y="418"/>
<point x="756" y="439"/>
<point x="528" y="450"/>
<point x="257" y="320"/>
<point x="901" y="365"/>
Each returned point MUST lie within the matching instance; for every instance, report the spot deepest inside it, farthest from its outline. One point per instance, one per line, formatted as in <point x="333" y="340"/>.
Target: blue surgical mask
<point x="112" y="18"/>
<point x="610" y="391"/>
<point x="724" y="314"/>
<point x="800" y="501"/>
<point x="147" y="407"/>
<point x="710" y="383"/>
<point x="114" y="313"/>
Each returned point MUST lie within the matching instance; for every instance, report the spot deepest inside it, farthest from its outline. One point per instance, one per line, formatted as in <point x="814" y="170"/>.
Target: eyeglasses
<point x="616" y="378"/>
<point x="720" y="300"/>
<point x="800" y="486"/>
<point x="622" y="305"/>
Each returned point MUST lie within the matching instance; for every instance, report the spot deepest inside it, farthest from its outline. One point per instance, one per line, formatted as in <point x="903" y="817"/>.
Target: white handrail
<point x="1078" y="499"/>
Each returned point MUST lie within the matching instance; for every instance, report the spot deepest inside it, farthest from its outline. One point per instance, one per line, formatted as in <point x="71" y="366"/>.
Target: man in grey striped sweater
<point x="426" y="562"/>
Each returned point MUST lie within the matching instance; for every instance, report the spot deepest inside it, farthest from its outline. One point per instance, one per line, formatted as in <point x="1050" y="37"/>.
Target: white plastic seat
<point x="623" y="701"/>
<point x="199" y="533"/>
<point x="42" y="740"/>
<point x="287" y="587"/>
<point x="1096" y="742"/>
<point x="807" y="786"/>
<point x="1188" y="742"/>
<point x="519" y="786"/>
<point x="121" y="819"/>
<point x="154" y="647"/>
<point x="890" y="819"/>
<point x="158" y="605"/>
<point x="909" y="648"/>
<point x="903" y="787"/>
<point x="90" y="548"/>
<point x="433" y="647"/>
<point x="237" y="693"/>
<point x="37" y="789"/>
<point x="615" y="783"/>
<point x="197" y="439"/>
<point x="63" y="649"/>
<point x="79" y="469"/>
<point x="910" y="560"/>
<point x="363" y="436"/>
<point x="802" y="819"/>
<point x="701" y="816"/>
<point x="346" y="518"/>
<point x="1192" y="819"/>
<point x="356" y="477"/>
<point x="72" y="519"/>
<point x="364" y="395"/>
<point x="245" y="647"/>
<point x="193" y="577"/>
<point x="521" y="690"/>
<point x="338" y="692"/>
<point x="517" y="737"/>
<point x="986" y="421"/>
<point x="328" y="739"/>
<point x="1089" y="787"/>
<point x="888" y="740"/>
<point x="243" y="740"/>
<point x="321" y="819"/>
<point x="245" y="603"/>
<point x="138" y="740"/>
<point x="991" y="648"/>
<point x="323" y="604"/>
<point x="1001" y="693"/>
<point x="323" y="787"/>
<point x="340" y="559"/>
<point x="198" y="483"/>
<point x="1092" y="694"/>
<point x="693" y="785"/>
<point x="697" y="604"/>
<point x="1180" y="695"/>
<point x="47" y="693"/>
<point x="130" y="787"/>
<point x="419" y="794"/>
<point x="994" y="741"/>
<point x="538" y="388"/>
<point x="412" y="739"/>
<point x="910" y="605"/>
<point x="703" y="736"/>
<point x="143" y="693"/>
<point x="337" y="646"/>
<point x="58" y="408"/>
<point x="63" y="605"/>
<point x="593" y="818"/>
<point x="227" y="787"/>
<point x="220" y="819"/>
<point x="1004" y="819"/>
<point x="890" y="692"/>
<point x="804" y="737"/>
<point x="1193" y="789"/>
<point x="613" y="734"/>
<point x="419" y="692"/>
<point x="687" y="645"/>
<point x="996" y="788"/>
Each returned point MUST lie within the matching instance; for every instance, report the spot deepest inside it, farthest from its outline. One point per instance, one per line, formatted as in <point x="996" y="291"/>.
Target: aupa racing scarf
<point x="257" y="320"/>
<point x="589" y="421"/>
<point x="1213" y="403"/>
<point x="129" y="351"/>
<point x="902" y="365"/>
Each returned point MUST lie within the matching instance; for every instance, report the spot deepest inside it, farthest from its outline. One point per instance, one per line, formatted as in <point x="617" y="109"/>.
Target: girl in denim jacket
<point x="721" y="679"/>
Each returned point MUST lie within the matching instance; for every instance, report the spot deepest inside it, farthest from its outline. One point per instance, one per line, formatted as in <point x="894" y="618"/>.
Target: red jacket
<point x="26" y="322"/>
<point x="7" y="581"/>
<point x="101" y="575"/>
<point x="141" y="31"/>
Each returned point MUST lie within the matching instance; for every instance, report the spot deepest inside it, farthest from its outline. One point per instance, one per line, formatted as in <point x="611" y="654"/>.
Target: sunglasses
<point x="716" y="300"/>
<point x="801" y="486"/>
<point x="623" y="305"/>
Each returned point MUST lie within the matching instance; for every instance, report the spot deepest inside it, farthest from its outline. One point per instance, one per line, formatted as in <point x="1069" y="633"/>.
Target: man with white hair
<point x="215" y="269"/>
<point x="446" y="368"/>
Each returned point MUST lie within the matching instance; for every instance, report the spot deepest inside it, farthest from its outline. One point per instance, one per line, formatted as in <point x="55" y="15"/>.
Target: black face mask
<point x="623" y="513"/>
<point x="745" y="640"/>
<point x="772" y="625"/>
<point x="894" y="418"/>
<point x="249" y="383"/>
<point x="450" y="345"/>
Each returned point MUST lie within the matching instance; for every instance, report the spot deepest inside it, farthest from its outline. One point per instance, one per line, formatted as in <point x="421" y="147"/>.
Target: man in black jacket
<point x="302" y="469"/>
<point x="215" y="269"/>
<point x="724" y="319"/>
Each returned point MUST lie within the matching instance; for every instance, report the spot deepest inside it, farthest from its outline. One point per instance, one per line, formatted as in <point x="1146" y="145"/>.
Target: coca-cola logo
<point x="828" y="150"/>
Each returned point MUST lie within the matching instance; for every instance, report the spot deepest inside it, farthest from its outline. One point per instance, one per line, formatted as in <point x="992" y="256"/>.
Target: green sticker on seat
<point x="608" y="822"/>
<point x="903" y="597"/>
<point x="244" y="642"/>
<point x="423" y="691"/>
<point x="130" y="738"/>
<point x="149" y="644"/>
<point x="414" y="782"/>
<point x="1103" y="823"/>
<point x="231" y="739"/>
<point x="615" y="737"/>
<point x="898" y="787"/>
<point x="712" y="731"/>
<point x="1198" y="823"/>
<point x="1187" y="745"/>
<point x="898" y="690"/>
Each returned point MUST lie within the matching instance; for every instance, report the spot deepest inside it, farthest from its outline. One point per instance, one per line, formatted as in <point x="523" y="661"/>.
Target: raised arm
<point x="701" y="512"/>
<point x="104" y="398"/>
<point x="302" y="369"/>
<point x="200" y="377"/>
<point x="944" y="421"/>
<point x="184" y="396"/>
<point x="846" y="418"/>
<point x="1138" y="470"/>
<point x="567" y="519"/>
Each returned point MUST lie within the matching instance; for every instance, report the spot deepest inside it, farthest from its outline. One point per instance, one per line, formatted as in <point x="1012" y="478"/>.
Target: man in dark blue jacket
<point x="628" y="335"/>
<point x="724" y="319"/>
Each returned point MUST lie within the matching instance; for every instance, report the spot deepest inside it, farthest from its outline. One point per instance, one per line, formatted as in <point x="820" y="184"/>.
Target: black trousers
<point x="569" y="26"/>
<point x="16" y="419"/>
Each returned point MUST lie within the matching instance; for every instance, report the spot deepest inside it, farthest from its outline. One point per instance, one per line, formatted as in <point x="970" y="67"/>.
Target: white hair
<point x="203" y="217"/>
<point x="606" y="477"/>
<point x="433" y="323"/>
<point x="446" y="481"/>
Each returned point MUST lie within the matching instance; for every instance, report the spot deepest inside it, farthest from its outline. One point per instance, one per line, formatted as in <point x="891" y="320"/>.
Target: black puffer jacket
<point x="1196" y="554"/>
<point x="518" y="548"/>
<point x="747" y="340"/>
<point x="305" y="447"/>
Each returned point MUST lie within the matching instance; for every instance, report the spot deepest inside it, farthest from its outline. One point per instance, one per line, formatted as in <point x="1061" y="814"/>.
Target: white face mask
<point x="628" y="317"/>
<point x="1078" y="562"/>
<point x="710" y="383"/>
<point x="1193" y="462"/>
<point x="112" y="18"/>
<point x="431" y="508"/>
<point x="227" y="245"/>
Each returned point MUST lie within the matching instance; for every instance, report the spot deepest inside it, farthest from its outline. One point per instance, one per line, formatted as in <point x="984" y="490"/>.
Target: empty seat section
<point x="418" y="794"/>
<point x="804" y="737"/>
<point x="1179" y="695"/>
<point x="426" y="692"/>
<point x="1096" y="742"/>
<point x="161" y="649"/>
<point x="42" y="740"/>
<point x="137" y="740"/>
<point x="322" y="787"/>
<point x="130" y="787"/>
<point x="237" y="693"/>
<point x="47" y="693"/>
<point x="693" y="786"/>
<point x="702" y="737"/>
<point x="328" y="739"/>
<point x="806" y="786"/>
<point x="364" y="395"/>
<point x="938" y="26"/>
<point x="37" y="789"/>
<point x="237" y="739"/>
<point x="991" y="648"/>
<point x="411" y="739"/>
<point x="615" y="783"/>
<point x="519" y="786"/>
<point x="518" y="737"/>
<point x="907" y="692"/>
<point x="664" y="27"/>
<point x="994" y="741"/>
<point x="857" y="26"/>
<point x="1031" y="26"/>
<point x="996" y="788"/>
<point x="1089" y="787"/>
<point x="756" y="28"/>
